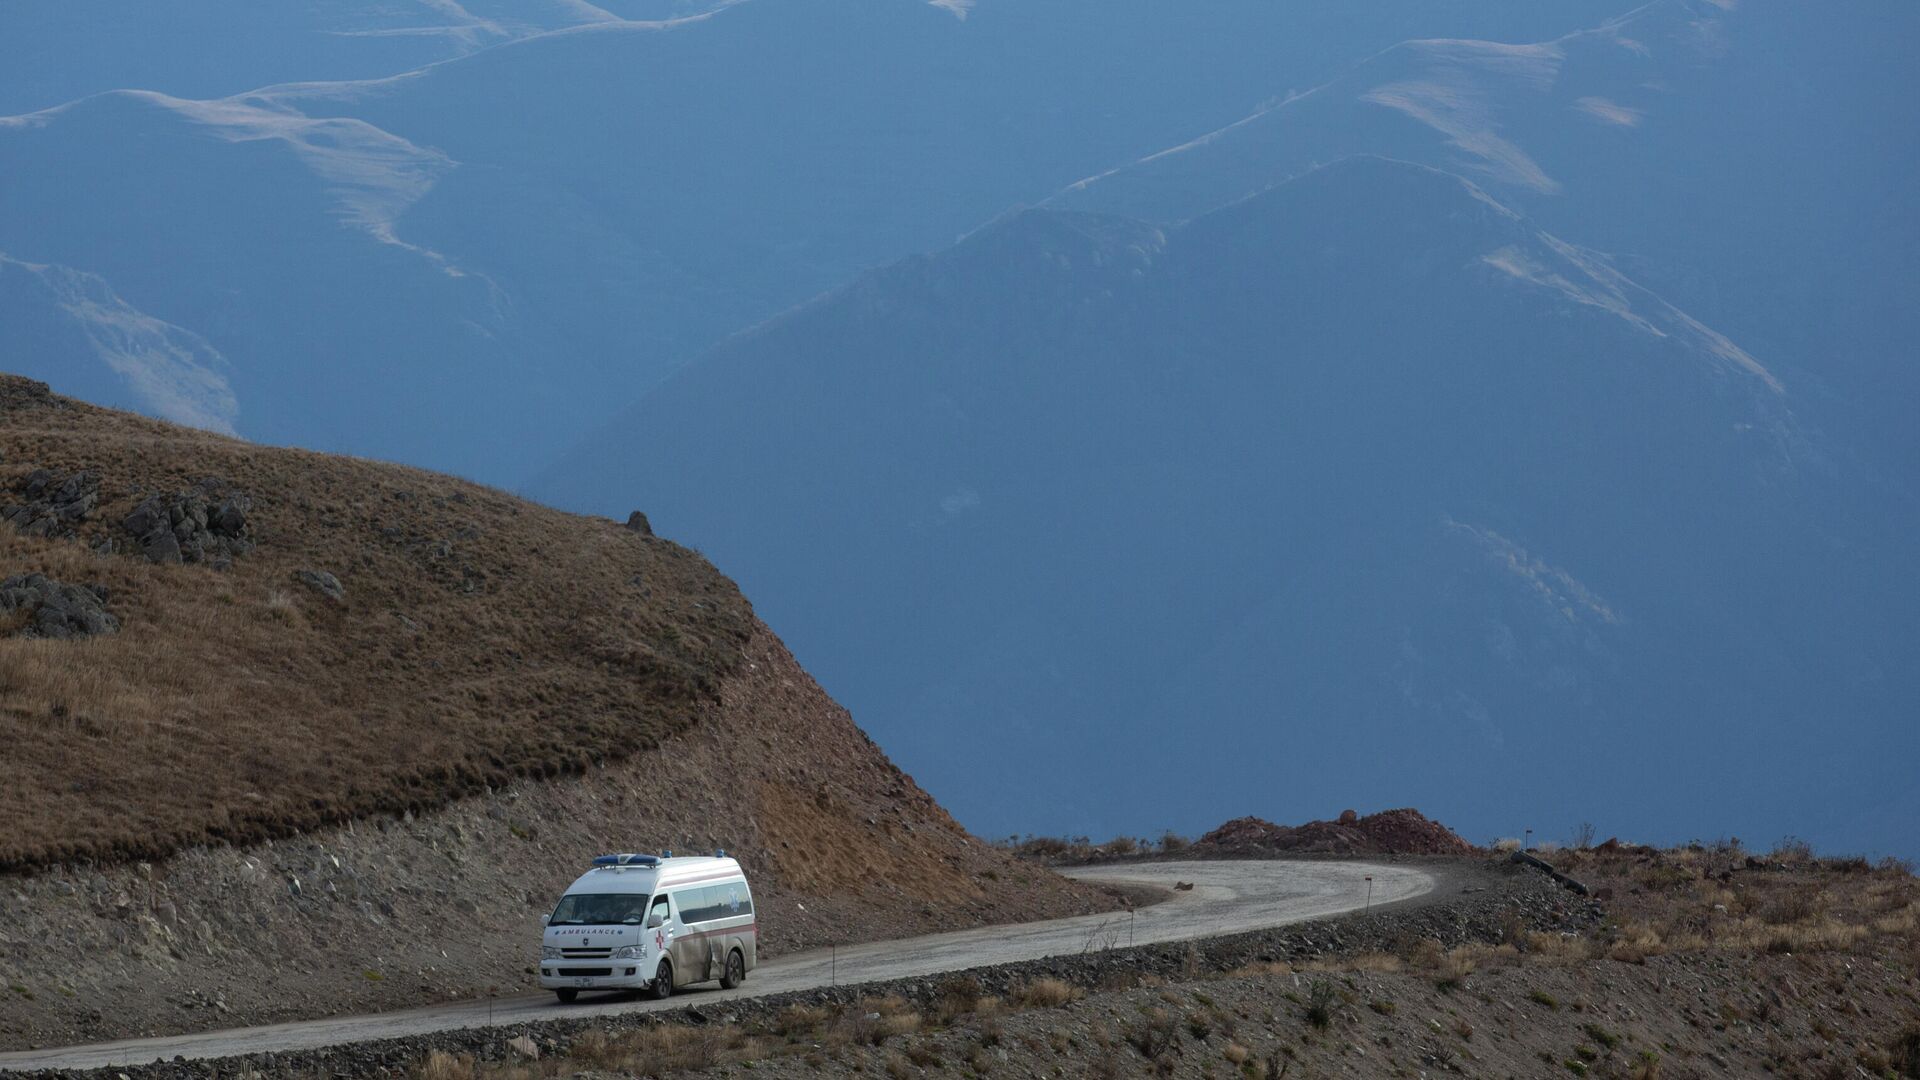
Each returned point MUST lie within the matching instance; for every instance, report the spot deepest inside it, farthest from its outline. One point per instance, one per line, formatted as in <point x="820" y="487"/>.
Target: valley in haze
<point x="1119" y="537"/>
<point x="1499" y="407"/>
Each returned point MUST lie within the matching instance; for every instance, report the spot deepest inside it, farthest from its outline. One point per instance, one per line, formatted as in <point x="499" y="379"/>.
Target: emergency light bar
<point x="628" y="859"/>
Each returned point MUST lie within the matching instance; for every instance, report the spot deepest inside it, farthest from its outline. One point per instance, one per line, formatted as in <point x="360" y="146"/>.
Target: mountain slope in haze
<point x="55" y="53"/>
<point x="530" y="234"/>
<point x="486" y="694"/>
<point x="267" y="234"/>
<point x="1749" y="161"/>
<point x="1362" y="490"/>
<point x="138" y="361"/>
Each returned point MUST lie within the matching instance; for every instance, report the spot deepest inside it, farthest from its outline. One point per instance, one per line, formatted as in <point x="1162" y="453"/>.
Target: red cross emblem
<point x="660" y="940"/>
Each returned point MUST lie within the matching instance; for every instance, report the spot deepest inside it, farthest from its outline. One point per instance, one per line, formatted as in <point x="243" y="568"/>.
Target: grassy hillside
<point x="474" y="638"/>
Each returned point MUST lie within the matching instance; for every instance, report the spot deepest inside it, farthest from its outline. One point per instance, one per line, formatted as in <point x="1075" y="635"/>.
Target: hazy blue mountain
<point x="1754" y="162"/>
<point x="139" y="362"/>
<point x="53" y="53"/>
<point x="530" y="233"/>
<point x="1364" y="490"/>
<point x="271" y="237"/>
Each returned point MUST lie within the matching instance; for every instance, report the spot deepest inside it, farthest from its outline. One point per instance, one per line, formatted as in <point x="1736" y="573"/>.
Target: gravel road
<point x="1227" y="897"/>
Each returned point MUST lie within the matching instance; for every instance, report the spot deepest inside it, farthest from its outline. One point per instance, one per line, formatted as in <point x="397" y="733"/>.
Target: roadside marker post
<point x="1369" y="893"/>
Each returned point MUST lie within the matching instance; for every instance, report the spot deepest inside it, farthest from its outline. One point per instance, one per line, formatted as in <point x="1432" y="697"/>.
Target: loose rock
<point x="45" y="608"/>
<point x="197" y="526"/>
<point x="52" y="505"/>
<point x="323" y="583"/>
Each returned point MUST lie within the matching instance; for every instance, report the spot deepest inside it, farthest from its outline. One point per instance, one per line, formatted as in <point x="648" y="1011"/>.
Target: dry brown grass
<point x="440" y="1065"/>
<point x="1692" y="900"/>
<point x="650" y="1051"/>
<point x="1046" y="993"/>
<point x="484" y="639"/>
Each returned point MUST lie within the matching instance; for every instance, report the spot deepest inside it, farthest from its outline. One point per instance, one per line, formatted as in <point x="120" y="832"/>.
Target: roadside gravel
<point x="1473" y="900"/>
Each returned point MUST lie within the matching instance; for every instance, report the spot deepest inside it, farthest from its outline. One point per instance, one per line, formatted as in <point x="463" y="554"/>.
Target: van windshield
<point x="600" y="909"/>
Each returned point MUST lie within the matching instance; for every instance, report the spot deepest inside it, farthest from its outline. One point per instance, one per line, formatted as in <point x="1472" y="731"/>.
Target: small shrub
<point x="1383" y="1006"/>
<point x="1321" y="999"/>
<point x="1601" y="1035"/>
<point x="959" y="996"/>
<point x="1171" y="842"/>
<point x="1045" y="993"/>
<point x="441" y="1065"/>
<point x="1122" y="845"/>
<point x="1154" y="1034"/>
<point x="1792" y="849"/>
<point x="1541" y="997"/>
<point x="797" y="1020"/>
<point x="1904" y="1054"/>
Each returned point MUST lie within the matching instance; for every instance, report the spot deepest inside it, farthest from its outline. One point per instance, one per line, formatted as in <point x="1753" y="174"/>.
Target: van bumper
<point x="595" y="974"/>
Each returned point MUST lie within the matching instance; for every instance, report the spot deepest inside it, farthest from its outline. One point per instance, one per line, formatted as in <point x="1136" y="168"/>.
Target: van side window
<point x="659" y="910"/>
<point x="713" y="902"/>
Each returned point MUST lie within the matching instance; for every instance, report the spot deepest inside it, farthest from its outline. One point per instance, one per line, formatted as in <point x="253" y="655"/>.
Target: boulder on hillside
<point x="37" y="606"/>
<point x="322" y="582"/>
<point x="197" y="526"/>
<point x="638" y="522"/>
<point x="52" y="505"/>
<point x="19" y="392"/>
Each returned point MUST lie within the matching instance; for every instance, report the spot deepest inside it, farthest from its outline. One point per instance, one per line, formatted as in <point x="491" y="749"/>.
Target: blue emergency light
<point x="628" y="859"/>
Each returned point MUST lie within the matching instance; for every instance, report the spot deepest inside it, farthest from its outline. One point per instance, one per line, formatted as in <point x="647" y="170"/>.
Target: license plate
<point x="583" y="982"/>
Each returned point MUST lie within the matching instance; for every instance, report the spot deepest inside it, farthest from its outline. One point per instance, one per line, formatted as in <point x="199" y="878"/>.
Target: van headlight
<point x="630" y="952"/>
<point x="548" y="952"/>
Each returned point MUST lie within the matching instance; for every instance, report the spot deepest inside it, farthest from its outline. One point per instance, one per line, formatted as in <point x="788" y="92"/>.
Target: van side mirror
<point x="544" y="918"/>
<point x="654" y="921"/>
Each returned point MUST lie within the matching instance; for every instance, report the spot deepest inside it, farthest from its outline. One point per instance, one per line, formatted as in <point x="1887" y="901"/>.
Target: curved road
<point x="1227" y="898"/>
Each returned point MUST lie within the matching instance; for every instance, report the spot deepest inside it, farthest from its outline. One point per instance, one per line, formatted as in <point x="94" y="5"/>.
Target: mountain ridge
<point x="1437" y="474"/>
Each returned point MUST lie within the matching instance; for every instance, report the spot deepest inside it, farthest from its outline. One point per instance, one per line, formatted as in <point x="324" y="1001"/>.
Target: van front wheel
<point x="736" y="972"/>
<point x="662" y="987"/>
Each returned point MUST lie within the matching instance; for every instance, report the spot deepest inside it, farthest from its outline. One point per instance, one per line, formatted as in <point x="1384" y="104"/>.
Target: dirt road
<point x="1226" y="898"/>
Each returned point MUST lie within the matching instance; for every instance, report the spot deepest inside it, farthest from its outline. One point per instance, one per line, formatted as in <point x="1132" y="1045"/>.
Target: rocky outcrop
<point x="323" y="583"/>
<point x="1389" y="832"/>
<point x="202" y="525"/>
<point x="37" y="606"/>
<point x="637" y="522"/>
<point x="53" y="505"/>
<point x="18" y="392"/>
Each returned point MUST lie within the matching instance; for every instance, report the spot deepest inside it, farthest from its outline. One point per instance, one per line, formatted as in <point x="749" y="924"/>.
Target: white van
<point x="653" y="923"/>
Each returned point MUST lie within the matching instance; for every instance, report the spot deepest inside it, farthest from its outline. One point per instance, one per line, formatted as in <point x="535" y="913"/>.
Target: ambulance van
<point x="650" y="923"/>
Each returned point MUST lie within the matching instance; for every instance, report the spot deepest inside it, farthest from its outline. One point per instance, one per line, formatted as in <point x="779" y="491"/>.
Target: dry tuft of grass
<point x="483" y="639"/>
<point x="440" y="1065"/>
<point x="1046" y="993"/>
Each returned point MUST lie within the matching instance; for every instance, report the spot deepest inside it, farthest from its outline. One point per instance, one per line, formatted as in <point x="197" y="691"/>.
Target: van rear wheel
<point x="736" y="972"/>
<point x="567" y="997"/>
<point x="662" y="987"/>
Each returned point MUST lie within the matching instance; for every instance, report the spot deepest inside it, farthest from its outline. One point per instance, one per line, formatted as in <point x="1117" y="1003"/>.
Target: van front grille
<point x="577" y="972"/>
<point x="586" y="954"/>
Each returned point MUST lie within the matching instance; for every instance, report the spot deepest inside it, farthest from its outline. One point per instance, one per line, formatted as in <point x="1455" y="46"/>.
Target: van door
<point x="660" y="929"/>
<point x="689" y="949"/>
